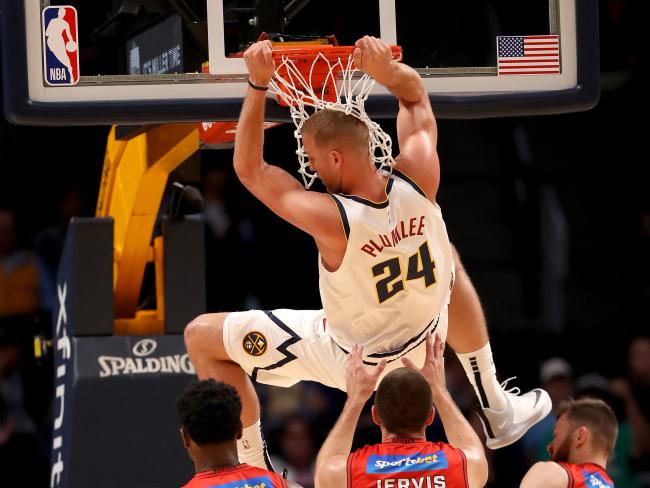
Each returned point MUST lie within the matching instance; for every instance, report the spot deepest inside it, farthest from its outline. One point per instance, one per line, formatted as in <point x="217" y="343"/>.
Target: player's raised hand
<point x="260" y="64"/>
<point x="434" y="365"/>
<point x="361" y="380"/>
<point x="374" y="57"/>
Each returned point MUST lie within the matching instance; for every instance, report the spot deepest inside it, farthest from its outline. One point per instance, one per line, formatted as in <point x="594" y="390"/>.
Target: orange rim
<point x="321" y="78"/>
<point x="332" y="53"/>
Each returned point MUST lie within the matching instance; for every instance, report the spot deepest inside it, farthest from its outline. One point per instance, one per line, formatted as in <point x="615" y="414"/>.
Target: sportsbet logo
<point x="405" y="464"/>
<point x="260" y="482"/>
<point x="595" y="480"/>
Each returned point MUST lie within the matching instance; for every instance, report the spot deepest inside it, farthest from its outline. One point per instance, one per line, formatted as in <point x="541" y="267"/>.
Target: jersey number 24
<point x="420" y="265"/>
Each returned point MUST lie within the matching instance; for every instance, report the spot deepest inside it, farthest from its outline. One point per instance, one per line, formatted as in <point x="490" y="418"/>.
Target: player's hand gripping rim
<point x="260" y="63"/>
<point x="373" y="56"/>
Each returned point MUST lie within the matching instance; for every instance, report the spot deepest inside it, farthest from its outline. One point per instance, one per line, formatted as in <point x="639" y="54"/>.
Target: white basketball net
<point x="296" y="91"/>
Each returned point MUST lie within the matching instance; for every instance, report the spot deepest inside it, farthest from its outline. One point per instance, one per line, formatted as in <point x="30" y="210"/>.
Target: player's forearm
<point x="249" y="142"/>
<point x="461" y="435"/>
<point x="403" y="82"/>
<point x="459" y="432"/>
<point x="339" y="440"/>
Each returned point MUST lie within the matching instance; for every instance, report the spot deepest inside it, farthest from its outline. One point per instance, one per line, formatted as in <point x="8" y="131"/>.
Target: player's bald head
<point x="403" y="401"/>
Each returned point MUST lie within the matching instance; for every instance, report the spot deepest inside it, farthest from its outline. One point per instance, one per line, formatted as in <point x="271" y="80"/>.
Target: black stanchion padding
<point x="124" y="429"/>
<point x="87" y="271"/>
<point x="184" y="255"/>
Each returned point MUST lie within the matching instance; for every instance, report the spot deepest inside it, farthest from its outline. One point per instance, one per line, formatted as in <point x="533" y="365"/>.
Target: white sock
<point x="481" y="373"/>
<point x="251" y="448"/>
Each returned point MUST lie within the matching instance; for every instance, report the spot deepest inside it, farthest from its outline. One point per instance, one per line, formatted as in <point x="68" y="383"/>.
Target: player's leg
<point x="204" y="340"/>
<point x="506" y="416"/>
<point x="468" y="337"/>
<point x="279" y="347"/>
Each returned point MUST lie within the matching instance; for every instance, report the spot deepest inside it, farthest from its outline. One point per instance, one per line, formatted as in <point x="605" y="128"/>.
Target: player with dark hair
<point x="583" y="440"/>
<point x="210" y="412"/>
<point x="404" y="407"/>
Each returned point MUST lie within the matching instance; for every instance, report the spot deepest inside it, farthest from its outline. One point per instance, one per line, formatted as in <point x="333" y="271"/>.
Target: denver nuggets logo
<point x="254" y="343"/>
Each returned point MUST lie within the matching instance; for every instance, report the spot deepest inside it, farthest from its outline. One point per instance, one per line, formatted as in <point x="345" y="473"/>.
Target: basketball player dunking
<point x="386" y="264"/>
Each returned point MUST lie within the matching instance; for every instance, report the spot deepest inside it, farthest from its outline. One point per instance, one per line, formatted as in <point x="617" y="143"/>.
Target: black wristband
<point x="257" y="87"/>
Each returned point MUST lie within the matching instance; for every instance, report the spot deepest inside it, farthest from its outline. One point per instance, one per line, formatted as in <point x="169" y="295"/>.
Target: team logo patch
<point x="595" y="480"/>
<point x="254" y="343"/>
<point x="378" y="464"/>
<point x="258" y="482"/>
<point x="60" y="46"/>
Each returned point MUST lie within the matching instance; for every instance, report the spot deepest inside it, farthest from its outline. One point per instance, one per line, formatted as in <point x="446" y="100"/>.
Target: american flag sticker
<point x="528" y="55"/>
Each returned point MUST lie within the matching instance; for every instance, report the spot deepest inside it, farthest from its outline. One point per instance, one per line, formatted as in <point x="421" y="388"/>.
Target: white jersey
<point x="396" y="275"/>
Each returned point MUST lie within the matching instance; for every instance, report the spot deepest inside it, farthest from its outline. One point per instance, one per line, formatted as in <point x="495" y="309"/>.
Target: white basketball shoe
<point x="507" y="426"/>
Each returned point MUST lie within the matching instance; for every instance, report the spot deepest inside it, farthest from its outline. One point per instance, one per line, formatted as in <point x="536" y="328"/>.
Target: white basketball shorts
<point x="282" y="347"/>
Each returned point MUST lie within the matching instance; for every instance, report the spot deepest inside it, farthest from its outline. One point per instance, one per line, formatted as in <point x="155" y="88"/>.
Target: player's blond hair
<point x="328" y="126"/>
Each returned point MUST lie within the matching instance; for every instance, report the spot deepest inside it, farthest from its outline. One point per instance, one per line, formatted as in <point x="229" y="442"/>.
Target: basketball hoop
<point x="325" y="77"/>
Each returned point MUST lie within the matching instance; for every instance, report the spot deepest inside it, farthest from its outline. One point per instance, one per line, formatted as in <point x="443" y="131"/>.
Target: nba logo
<point x="60" y="47"/>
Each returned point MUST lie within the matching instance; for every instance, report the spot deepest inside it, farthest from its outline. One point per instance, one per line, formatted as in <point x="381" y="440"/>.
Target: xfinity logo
<point x="144" y="347"/>
<point x="63" y="355"/>
<point x="144" y="362"/>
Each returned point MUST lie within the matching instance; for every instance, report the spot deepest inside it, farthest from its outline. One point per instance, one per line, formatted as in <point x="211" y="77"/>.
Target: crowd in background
<point x="297" y="419"/>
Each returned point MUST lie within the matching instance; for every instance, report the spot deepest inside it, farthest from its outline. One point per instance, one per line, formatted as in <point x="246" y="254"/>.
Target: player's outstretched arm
<point x="332" y="459"/>
<point x="313" y="212"/>
<point x="417" y="132"/>
<point x="459" y="432"/>
<point x="545" y="475"/>
<point x="249" y="140"/>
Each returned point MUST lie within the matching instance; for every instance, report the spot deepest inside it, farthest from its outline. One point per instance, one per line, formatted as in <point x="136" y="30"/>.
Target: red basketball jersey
<point x="407" y="463"/>
<point x="238" y="476"/>
<point x="587" y="475"/>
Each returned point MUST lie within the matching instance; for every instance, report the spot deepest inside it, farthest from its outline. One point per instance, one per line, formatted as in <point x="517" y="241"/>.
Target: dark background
<point x="550" y="214"/>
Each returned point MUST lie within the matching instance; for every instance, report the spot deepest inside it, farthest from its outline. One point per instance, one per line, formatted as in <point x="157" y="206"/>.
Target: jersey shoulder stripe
<point x="370" y="203"/>
<point x="408" y="180"/>
<point x="343" y="214"/>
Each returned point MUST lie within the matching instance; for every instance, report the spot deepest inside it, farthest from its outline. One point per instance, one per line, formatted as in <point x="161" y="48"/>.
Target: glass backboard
<point x="155" y="61"/>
